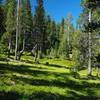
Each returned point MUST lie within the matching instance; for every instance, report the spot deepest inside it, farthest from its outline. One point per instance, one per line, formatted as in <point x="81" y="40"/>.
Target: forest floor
<point x="50" y="79"/>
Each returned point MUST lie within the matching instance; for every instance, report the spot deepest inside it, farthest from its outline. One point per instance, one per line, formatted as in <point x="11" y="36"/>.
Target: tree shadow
<point x="46" y="96"/>
<point x="66" y="83"/>
<point x="41" y="95"/>
<point x="12" y="95"/>
<point x="55" y="65"/>
<point x="23" y="69"/>
<point x="75" y="96"/>
<point x="28" y="61"/>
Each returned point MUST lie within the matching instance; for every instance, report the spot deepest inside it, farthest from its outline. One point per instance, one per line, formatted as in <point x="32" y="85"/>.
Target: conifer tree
<point x="1" y="19"/>
<point x="27" y="23"/>
<point x="10" y="22"/>
<point x="39" y="27"/>
<point x="61" y="33"/>
<point x="54" y="39"/>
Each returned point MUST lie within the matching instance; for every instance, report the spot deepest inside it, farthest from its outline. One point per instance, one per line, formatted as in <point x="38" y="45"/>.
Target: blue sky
<point x="59" y="9"/>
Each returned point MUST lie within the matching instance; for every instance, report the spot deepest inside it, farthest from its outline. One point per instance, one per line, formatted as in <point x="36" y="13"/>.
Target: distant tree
<point x="53" y="39"/>
<point x="61" y="33"/>
<point x="66" y="39"/>
<point x="48" y="31"/>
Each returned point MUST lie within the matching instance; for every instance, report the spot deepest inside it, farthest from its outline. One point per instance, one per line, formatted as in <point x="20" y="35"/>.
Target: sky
<point x="59" y="9"/>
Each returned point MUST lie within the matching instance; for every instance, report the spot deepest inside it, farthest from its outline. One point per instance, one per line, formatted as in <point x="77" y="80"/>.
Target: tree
<point x="17" y="30"/>
<point x="65" y="48"/>
<point x="39" y="27"/>
<point x="27" y="24"/>
<point x="2" y="29"/>
<point x="10" y="23"/>
<point x="61" y="33"/>
<point x="76" y="48"/>
<point x="48" y="31"/>
<point x="25" y="27"/>
<point x="90" y="8"/>
<point x="69" y="31"/>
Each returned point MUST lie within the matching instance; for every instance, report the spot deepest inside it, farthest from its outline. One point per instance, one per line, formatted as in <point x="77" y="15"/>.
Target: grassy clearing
<point x="51" y="79"/>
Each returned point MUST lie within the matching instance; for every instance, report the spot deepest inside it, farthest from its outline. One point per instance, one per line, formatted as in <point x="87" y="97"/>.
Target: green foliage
<point x="66" y="34"/>
<point x="4" y="43"/>
<point x="54" y="39"/>
<point x="75" y="56"/>
<point x="39" y="81"/>
<point x="64" y="47"/>
<point x="25" y="25"/>
<point x="39" y="24"/>
<point x="89" y="27"/>
<point x="2" y="29"/>
<point x="10" y="22"/>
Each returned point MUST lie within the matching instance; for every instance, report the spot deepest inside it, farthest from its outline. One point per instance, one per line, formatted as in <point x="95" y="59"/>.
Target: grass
<point x="51" y="79"/>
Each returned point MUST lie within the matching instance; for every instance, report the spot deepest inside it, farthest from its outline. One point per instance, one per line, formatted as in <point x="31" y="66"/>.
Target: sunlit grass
<point x="50" y="80"/>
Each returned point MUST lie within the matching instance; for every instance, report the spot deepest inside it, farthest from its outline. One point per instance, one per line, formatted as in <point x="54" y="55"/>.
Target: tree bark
<point x="89" y="60"/>
<point x="17" y="32"/>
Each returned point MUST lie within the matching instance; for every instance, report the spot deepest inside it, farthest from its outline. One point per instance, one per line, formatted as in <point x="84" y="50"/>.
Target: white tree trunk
<point x="17" y="31"/>
<point x="89" y="60"/>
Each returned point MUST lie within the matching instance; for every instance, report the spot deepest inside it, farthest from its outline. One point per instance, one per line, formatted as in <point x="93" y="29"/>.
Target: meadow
<point x="49" y="79"/>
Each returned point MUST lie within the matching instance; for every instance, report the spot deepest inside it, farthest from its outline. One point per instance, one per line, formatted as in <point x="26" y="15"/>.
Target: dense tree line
<point x="36" y="33"/>
<point x="21" y="31"/>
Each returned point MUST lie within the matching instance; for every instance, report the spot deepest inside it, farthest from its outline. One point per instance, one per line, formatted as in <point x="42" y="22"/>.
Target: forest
<point x="41" y="59"/>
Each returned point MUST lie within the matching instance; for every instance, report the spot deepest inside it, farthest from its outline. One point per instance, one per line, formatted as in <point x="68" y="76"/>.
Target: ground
<point x="50" y="79"/>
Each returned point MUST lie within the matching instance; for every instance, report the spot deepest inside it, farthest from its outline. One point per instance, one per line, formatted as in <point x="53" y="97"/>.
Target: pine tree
<point x="53" y="39"/>
<point x="48" y="31"/>
<point x="61" y="33"/>
<point x="27" y="23"/>
<point x="10" y="23"/>
<point x="26" y="27"/>
<point x="2" y="29"/>
<point x="39" y="26"/>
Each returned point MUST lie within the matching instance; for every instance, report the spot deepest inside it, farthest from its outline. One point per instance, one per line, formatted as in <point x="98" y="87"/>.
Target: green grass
<point x="51" y="79"/>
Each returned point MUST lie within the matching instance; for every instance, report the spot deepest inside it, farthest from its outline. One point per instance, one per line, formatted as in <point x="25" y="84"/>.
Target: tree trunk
<point x="97" y="70"/>
<point x="89" y="60"/>
<point x="21" y="52"/>
<point x="17" y="32"/>
<point x="9" y="47"/>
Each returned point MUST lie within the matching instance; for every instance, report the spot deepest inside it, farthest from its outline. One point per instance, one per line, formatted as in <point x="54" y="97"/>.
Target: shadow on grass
<point x="47" y="63"/>
<point x="55" y="65"/>
<point x="22" y="69"/>
<point x="9" y="95"/>
<point x="75" y="96"/>
<point x="3" y="59"/>
<point x="51" y="96"/>
<point x="66" y="83"/>
<point x="46" y="96"/>
<point x="41" y="95"/>
<point x="28" y="61"/>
